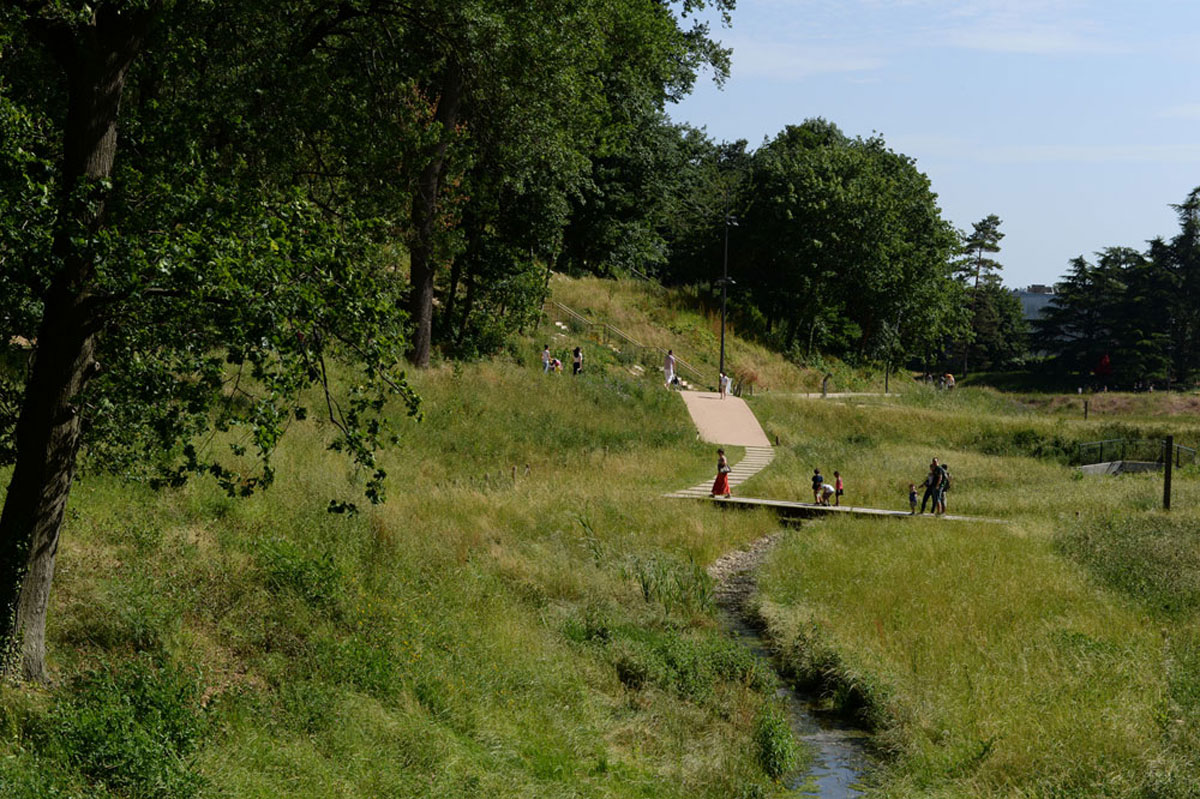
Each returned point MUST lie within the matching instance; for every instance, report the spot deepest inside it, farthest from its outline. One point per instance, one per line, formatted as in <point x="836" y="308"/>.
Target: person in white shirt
<point x="546" y="359"/>
<point x="669" y="368"/>
<point x="725" y="381"/>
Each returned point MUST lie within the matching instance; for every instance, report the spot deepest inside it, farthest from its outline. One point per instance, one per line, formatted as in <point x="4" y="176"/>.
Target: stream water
<point x="838" y="749"/>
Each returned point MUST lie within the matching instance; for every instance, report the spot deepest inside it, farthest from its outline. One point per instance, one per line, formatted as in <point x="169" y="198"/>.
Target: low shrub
<point x="131" y="728"/>
<point x="774" y="744"/>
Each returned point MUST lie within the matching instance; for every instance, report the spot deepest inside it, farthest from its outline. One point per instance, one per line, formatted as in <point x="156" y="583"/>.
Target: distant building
<point x="1034" y="299"/>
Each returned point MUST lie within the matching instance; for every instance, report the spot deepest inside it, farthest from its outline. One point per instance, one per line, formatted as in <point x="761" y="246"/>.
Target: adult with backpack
<point x="943" y="487"/>
<point x="933" y="482"/>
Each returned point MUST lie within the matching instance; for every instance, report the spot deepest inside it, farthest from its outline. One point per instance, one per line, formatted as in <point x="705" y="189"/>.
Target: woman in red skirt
<point x="721" y="486"/>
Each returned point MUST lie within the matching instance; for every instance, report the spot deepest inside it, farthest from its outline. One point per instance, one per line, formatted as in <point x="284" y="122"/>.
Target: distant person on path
<point x="817" y="482"/>
<point x="577" y="361"/>
<point x="721" y="384"/>
<point x="827" y="491"/>
<point x="669" y="368"/>
<point x="721" y="485"/>
<point x="932" y="481"/>
<point x="546" y="359"/>
<point x="837" y="488"/>
<point x="725" y="381"/>
<point x="912" y="499"/>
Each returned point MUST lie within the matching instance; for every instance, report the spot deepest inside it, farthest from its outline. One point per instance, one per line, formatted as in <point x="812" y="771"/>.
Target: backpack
<point x="945" y="478"/>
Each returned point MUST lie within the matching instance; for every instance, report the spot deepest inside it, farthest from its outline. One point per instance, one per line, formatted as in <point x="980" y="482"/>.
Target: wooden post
<point x="1169" y="445"/>
<point x="1085" y="410"/>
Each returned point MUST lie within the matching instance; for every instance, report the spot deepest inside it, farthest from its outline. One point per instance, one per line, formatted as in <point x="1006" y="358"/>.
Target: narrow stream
<point x="838" y="749"/>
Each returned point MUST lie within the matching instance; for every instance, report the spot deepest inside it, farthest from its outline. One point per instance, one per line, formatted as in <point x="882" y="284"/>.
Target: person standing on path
<point x="546" y="360"/>
<point x="837" y="487"/>
<point x="721" y="484"/>
<point x="817" y="482"/>
<point x="577" y="361"/>
<point x="725" y="381"/>
<point x="669" y="369"/>
<point x="932" y="482"/>
<point x="939" y="503"/>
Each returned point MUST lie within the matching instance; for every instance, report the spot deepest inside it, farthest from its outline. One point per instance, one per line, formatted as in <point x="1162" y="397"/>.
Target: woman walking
<point x="721" y="485"/>
<point x="577" y="361"/>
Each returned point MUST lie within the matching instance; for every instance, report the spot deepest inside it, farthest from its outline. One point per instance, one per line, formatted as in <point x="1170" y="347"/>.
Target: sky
<point x="1076" y="122"/>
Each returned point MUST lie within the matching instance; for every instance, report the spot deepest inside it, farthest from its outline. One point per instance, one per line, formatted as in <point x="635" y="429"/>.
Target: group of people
<point x="936" y="484"/>
<point x="671" y="378"/>
<point x="550" y="364"/>
<point x="825" y="493"/>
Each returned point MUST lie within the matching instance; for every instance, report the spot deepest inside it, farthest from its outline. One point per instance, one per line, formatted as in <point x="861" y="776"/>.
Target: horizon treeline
<point x="1130" y="318"/>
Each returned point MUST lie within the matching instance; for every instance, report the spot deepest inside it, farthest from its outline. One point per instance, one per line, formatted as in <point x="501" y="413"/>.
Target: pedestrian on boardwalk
<point x="943" y="487"/>
<point x="837" y="488"/>
<point x="817" y="482"/>
<point x="932" y="482"/>
<point x="827" y="491"/>
<point x="577" y="361"/>
<point x="669" y="369"/>
<point x="912" y="499"/>
<point x="546" y="359"/>
<point x="721" y="484"/>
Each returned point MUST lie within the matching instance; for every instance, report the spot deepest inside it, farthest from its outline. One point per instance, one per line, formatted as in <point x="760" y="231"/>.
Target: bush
<point x="773" y="741"/>
<point x="131" y="728"/>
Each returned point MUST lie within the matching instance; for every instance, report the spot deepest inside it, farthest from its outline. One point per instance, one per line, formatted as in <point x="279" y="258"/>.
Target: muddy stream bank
<point x="837" y="748"/>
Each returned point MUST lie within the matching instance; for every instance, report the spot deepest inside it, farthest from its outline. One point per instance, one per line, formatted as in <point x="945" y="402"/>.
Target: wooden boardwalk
<point x="807" y="510"/>
<point x="730" y="421"/>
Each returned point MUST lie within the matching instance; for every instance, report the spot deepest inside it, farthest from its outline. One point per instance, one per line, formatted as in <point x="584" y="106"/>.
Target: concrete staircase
<point x="757" y="459"/>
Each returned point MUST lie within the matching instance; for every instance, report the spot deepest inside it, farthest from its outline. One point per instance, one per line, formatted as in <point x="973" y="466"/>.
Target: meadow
<point x="1052" y="655"/>
<point x="543" y="632"/>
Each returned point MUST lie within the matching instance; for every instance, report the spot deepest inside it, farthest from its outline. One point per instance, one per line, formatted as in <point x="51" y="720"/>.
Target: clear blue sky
<point x="1078" y="123"/>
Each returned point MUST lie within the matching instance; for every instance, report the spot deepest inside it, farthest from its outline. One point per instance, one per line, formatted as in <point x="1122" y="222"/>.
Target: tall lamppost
<point x="725" y="283"/>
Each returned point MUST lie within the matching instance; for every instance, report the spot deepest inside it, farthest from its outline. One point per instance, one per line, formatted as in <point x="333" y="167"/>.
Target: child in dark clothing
<point x="912" y="498"/>
<point x="817" y="482"/>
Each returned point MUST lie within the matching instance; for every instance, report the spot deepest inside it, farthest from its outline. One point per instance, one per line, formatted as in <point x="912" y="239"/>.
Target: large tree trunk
<point x="423" y="254"/>
<point x="95" y="59"/>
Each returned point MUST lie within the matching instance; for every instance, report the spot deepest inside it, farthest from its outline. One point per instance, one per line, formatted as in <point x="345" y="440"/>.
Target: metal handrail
<point x="640" y="349"/>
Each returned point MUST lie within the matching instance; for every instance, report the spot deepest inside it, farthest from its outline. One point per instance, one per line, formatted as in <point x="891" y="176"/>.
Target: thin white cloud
<point x="954" y="149"/>
<point x="780" y="60"/>
<point x="1184" y="111"/>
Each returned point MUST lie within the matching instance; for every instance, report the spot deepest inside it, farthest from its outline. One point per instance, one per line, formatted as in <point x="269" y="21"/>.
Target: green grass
<point x="550" y="635"/>
<point x="1057" y="654"/>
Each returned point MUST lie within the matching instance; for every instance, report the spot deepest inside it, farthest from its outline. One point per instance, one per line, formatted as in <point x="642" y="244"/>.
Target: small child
<point x="827" y="491"/>
<point x="837" y="487"/>
<point x="912" y="499"/>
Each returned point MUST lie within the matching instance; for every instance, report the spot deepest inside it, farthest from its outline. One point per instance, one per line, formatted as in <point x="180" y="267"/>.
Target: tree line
<point x="1131" y="317"/>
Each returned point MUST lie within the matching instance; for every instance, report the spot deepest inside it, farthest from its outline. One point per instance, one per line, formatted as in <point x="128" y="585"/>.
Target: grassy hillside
<point x="1053" y="655"/>
<point x="674" y="320"/>
<point x="550" y="635"/>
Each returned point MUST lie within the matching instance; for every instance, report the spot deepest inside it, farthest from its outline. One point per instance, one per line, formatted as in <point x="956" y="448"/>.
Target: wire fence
<point x="1146" y="450"/>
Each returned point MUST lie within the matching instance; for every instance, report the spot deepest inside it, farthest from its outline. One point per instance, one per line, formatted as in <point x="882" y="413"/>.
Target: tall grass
<point x="1054" y="655"/>
<point x="480" y="634"/>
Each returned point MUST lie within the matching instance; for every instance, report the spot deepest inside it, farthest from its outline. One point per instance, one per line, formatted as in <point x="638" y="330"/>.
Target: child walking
<point x="837" y="488"/>
<point x="912" y="499"/>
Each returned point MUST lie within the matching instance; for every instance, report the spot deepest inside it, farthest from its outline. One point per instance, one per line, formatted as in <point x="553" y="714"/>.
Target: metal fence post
<point x="1169" y="444"/>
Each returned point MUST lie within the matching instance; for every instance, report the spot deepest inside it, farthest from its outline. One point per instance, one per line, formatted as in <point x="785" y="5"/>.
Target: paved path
<point x="724" y="421"/>
<point x="727" y="421"/>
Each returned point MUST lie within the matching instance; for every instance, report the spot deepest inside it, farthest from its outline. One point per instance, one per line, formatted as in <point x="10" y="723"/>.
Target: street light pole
<point x="724" y="289"/>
